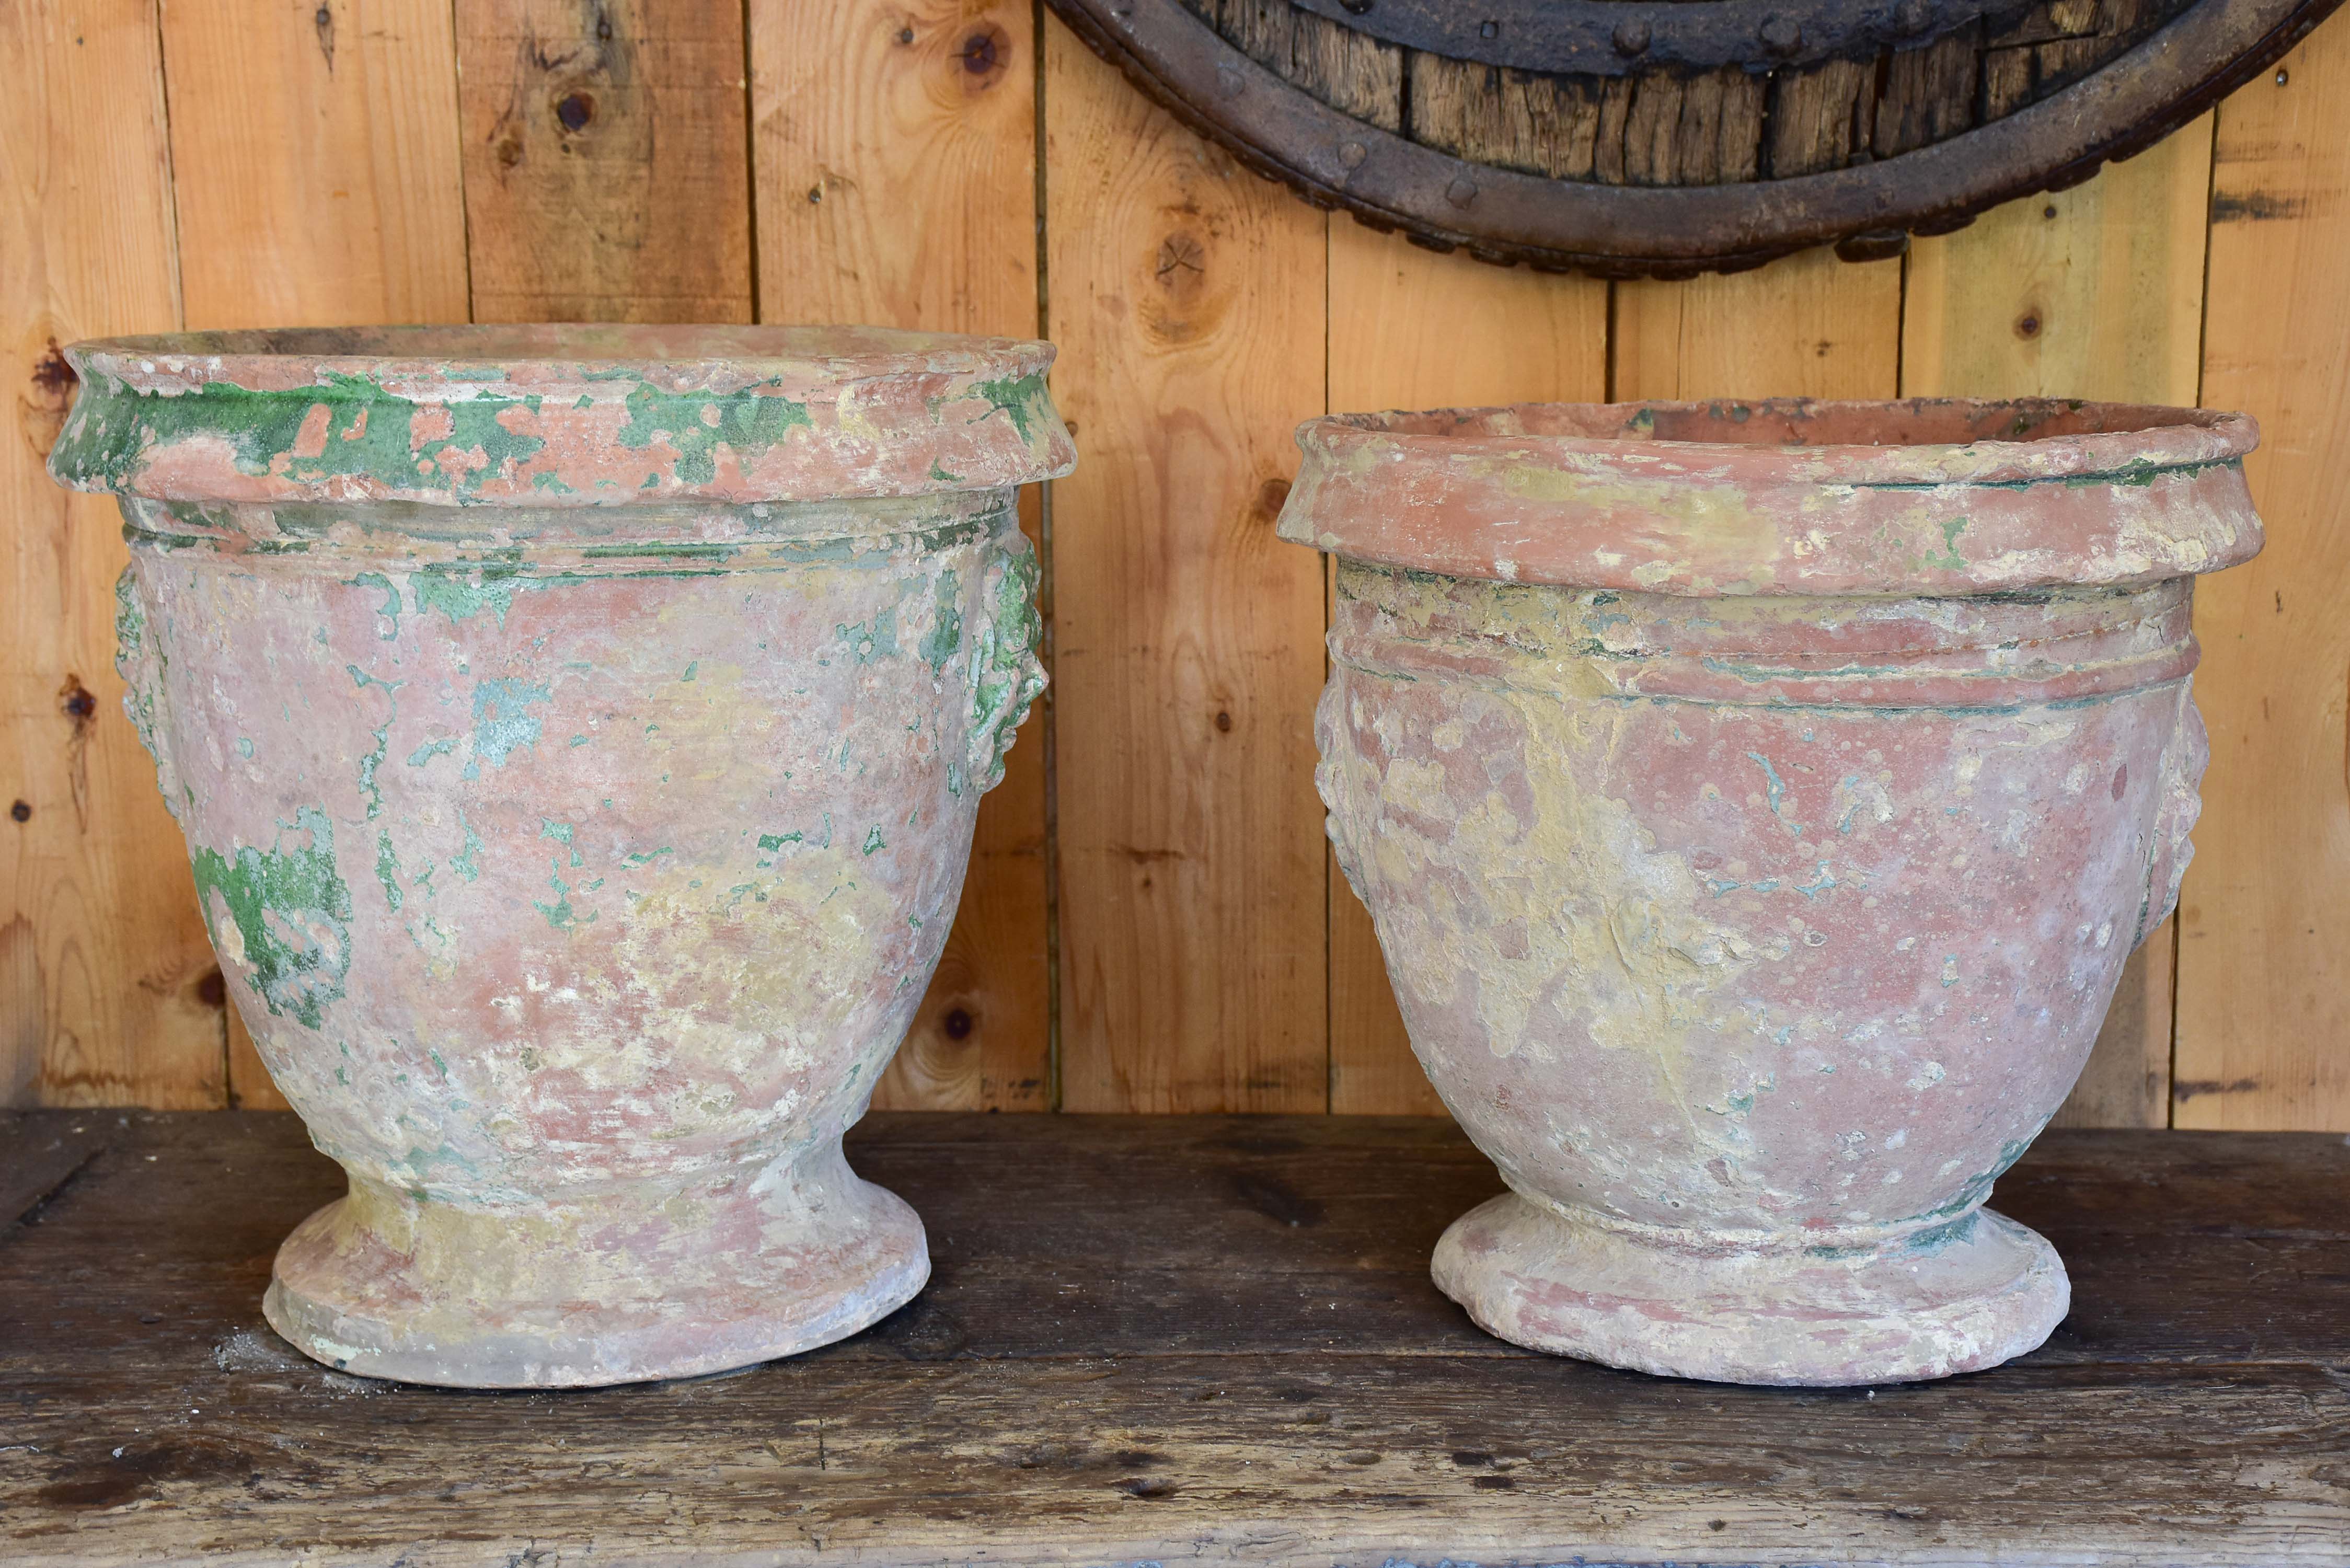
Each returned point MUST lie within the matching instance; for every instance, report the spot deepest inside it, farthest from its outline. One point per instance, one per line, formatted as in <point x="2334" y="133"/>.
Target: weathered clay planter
<point x="1756" y="803"/>
<point x="577" y="733"/>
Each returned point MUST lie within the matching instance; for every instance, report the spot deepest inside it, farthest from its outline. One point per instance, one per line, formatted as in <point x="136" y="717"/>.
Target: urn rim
<point x="598" y="414"/>
<point x="1790" y="496"/>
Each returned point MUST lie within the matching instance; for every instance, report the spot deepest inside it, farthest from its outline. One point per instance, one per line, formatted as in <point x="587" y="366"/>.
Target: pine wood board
<point x="107" y="989"/>
<point x="1186" y="298"/>
<point x="606" y="159"/>
<point x="315" y="165"/>
<point x="894" y="157"/>
<point x="2264" y="985"/>
<point x="1809" y="327"/>
<point x="1147" y="1338"/>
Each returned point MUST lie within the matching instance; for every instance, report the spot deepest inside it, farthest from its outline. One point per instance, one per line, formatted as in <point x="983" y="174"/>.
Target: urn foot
<point x="645" y="1281"/>
<point x="1926" y="1304"/>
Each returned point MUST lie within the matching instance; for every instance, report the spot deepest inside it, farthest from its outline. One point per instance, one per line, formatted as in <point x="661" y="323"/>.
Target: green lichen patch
<point x="386" y="870"/>
<point x="367" y="435"/>
<point x="503" y="721"/>
<point x="694" y="425"/>
<point x="140" y="666"/>
<point x="1007" y="677"/>
<point x="282" y="915"/>
<point x="946" y="623"/>
<point x="1023" y="399"/>
<point x="870" y="640"/>
<point x="461" y="593"/>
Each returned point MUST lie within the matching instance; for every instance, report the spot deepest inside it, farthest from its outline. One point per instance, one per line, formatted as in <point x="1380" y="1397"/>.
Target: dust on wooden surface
<point x="1152" y="1337"/>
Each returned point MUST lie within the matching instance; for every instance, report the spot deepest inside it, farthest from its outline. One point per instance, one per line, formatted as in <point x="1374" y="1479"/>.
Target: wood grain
<point x="1516" y="120"/>
<point x="1186" y="296"/>
<point x="1153" y="1337"/>
<point x="2096" y="292"/>
<point x="107" y="990"/>
<point x="606" y="159"/>
<point x="1821" y="116"/>
<point x="895" y="158"/>
<point x="2263" y="984"/>
<point x="1411" y="329"/>
<point x="1809" y="326"/>
<point x="315" y="162"/>
<point x="1930" y="94"/>
<point x="314" y="173"/>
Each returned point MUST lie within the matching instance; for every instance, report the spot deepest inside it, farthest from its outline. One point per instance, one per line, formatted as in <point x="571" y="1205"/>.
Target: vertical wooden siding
<point x="2263" y="980"/>
<point x="1151" y="922"/>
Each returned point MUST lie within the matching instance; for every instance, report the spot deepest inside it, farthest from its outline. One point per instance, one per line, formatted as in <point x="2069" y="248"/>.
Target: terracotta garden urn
<point x="576" y="731"/>
<point x="1756" y="802"/>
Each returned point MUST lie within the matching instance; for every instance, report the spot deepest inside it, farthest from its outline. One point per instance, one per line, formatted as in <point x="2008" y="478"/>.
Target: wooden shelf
<point x="1207" y="1338"/>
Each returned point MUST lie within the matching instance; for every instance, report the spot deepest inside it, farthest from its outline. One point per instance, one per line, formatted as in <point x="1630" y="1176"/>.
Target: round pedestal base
<point x="1957" y="1298"/>
<point x="632" y="1284"/>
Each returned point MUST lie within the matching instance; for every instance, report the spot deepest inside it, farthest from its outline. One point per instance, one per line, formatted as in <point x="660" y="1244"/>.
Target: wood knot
<point x="574" y="109"/>
<point x="1271" y="497"/>
<point x="21" y="812"/>
<point x="986" y="52"/>
<point x="211" y="989"/>
<point x="1182" y="262"/>
<point x="75" y="702"/>
<point x="2027" y="326"/>
<point x="957" y="1023"/>
<point x="45" y="405"/>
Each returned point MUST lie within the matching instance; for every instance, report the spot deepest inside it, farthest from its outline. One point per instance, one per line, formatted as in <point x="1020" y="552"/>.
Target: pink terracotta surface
<point x="1756" y="803"/>
<point x="577" y="734"/>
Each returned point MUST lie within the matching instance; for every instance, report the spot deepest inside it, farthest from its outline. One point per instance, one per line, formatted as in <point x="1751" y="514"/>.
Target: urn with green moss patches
<point x="577" y="733"/>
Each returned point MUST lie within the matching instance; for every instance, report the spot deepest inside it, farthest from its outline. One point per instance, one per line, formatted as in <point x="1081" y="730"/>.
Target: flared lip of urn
<point x="559" y="415"/>
<point x="1921" y="496"/>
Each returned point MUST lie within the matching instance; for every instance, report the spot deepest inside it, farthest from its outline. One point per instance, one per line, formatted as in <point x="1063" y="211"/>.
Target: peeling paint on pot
<point x="577" y="733"/>
<point x="1756" y="803"/>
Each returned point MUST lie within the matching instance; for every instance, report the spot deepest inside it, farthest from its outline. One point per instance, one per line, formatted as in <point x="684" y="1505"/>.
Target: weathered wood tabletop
<point x="1152" y="1339"/>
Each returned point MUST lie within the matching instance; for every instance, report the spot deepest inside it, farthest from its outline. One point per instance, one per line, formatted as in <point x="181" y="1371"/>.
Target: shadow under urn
<point x="1756" y="802"/>
<point x="577" y="733"/>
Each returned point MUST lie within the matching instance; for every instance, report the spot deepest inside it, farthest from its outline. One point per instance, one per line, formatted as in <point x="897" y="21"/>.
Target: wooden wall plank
<point x="1810" y="325"/>
<point x="107" y="990"/>
<point x="1412" y="329"/>
<point x="1187" y="299"/>
<point x="2264" y="921"/>
<point x="316" y="176"/>
<point x="894" y="147"/>
<point x="2096" y="292"/>
<point x="315" y="162"/>
<point x="606" y="159"/>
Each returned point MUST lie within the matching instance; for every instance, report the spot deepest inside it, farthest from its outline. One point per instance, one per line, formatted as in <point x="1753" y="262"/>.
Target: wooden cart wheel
<point x="1667" y="137"/>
